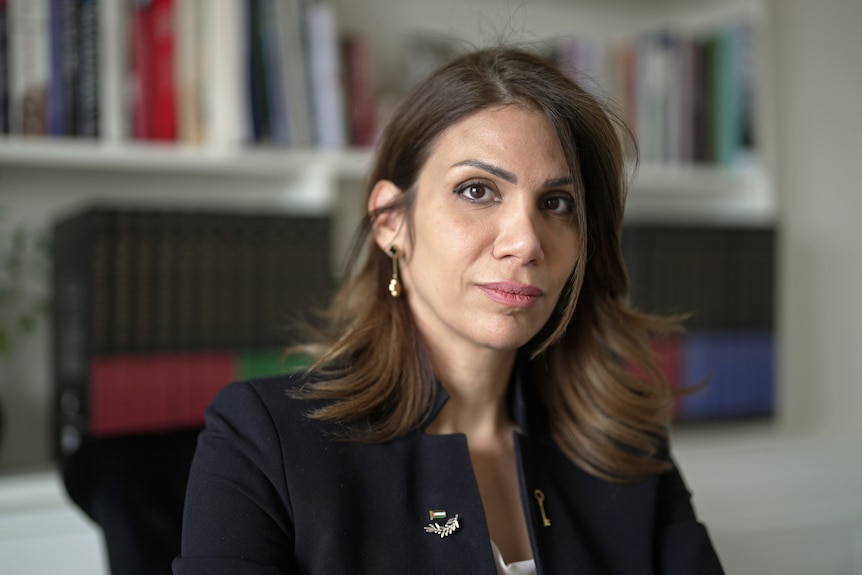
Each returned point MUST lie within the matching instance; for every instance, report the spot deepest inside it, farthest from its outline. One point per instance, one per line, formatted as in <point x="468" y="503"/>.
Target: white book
<point x="29" y="38"/>
<point x="113" y="71"/>
<point x="187" y="70"/>
<point x="325" y="62"/>
<point x="651" y="94"/>
<point x="225" y="110"/>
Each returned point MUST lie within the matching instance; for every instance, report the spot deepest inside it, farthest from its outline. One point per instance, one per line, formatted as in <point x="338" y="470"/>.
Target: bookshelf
<point x="317" y="178"/>
<point x="42" y="178"/>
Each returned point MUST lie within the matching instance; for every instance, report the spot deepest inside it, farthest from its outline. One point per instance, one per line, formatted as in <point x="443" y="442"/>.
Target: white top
<point x="526" y="567"/>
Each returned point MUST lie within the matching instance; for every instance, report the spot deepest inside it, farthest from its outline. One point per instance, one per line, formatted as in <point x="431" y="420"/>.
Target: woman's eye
<point x="475" y="192"/>
<point x="559" y="205"/>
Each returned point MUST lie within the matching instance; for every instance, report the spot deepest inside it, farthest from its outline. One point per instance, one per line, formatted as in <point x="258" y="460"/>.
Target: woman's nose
<point x="518" y="233"/>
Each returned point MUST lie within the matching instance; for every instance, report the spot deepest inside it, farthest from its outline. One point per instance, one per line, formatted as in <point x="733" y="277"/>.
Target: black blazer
<point x="270" y="492"/>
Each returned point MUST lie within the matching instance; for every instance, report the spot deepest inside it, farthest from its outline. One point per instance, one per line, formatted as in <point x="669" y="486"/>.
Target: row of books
<point x="690" y="97"/>
<point x="216" y="73"/>
<point x="725" y="278"/>
<point x="131" y="394"/>
<point x="149" y="301"/>
<point x="48" y="71"/>
<point x="732" y="373"/>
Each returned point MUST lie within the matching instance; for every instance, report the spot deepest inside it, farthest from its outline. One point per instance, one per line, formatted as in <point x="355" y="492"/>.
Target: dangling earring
<point x="394" y="283"/>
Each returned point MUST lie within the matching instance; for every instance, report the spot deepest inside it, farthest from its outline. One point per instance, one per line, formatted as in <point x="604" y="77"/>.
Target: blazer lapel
<point x="559" y="545"/>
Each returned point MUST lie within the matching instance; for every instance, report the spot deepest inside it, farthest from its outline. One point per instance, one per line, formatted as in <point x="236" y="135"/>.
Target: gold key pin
<point x="540" y="499"/>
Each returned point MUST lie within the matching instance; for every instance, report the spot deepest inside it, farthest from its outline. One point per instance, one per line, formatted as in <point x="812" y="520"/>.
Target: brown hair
<point x="607" y="402"/>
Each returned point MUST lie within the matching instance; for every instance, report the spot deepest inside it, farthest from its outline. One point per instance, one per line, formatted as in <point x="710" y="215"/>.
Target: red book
<point x="154" y="115"/>
<point x="159" y="392"/>
<point x="164" y="112"/>
<point x="361" y="99"/>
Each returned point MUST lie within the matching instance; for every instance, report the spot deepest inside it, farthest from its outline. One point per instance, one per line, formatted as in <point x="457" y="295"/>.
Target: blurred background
<point x="181" y="178"/>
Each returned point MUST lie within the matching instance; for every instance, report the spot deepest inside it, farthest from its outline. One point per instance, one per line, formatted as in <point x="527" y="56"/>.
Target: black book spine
<point x="76" y="272"/>
<point x="4" y="67"/>
<point x="205" y="272"/>
<point x="69" y="68"/>
<point x="88" y="70"/>
<point x="246" y="285"/>
<point x="165" y="293"/>
<point x="256" y="81"/>
<point x="123" y="290"/>
<point x="143" y="302"/>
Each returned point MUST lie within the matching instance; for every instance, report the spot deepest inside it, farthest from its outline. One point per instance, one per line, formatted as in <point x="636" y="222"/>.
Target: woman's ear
<point x="387" y="226"/>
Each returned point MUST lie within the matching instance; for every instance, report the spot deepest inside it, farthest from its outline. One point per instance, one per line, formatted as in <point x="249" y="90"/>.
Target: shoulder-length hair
<point x="607" y="402"/>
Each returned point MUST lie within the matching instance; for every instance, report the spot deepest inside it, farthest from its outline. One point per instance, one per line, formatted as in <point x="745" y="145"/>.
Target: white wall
<point x="785" y="498"/>
<point x="817" y="91"/>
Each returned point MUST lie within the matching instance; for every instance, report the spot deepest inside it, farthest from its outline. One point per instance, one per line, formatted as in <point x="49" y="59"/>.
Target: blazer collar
<point x="523" y="399"/>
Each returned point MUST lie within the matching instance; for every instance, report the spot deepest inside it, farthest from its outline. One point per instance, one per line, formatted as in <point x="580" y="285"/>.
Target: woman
<point x="484" y="400"/>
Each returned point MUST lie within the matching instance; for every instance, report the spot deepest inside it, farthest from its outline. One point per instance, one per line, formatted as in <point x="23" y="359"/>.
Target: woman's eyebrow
<point x="564" y="181"/>
<point x="491" y="169"/>
<point x="509" y="176"/>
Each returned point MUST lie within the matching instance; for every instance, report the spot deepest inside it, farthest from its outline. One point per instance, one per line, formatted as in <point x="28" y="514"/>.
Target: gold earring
<point x="394" y="283"/>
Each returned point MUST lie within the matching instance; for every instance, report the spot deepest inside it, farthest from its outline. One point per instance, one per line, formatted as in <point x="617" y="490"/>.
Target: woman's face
<point x="495" y="230"/>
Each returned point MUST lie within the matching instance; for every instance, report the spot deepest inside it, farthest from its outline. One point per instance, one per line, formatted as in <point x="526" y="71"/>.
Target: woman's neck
<point x="477" y="386"/>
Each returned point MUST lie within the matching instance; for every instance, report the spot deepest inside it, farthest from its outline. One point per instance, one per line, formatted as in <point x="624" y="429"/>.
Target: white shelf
<point x="168" y="158"/>
<point x="702" y="193"/>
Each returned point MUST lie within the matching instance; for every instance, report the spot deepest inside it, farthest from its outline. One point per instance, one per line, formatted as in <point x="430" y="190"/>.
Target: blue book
<point x="739" y="369"/>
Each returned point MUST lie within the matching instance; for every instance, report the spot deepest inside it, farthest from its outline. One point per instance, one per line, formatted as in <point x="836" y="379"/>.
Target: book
<point x="164" y="112"/>
<point x="744" y="38"/>
<point x="153" y="100"/>
<point x="257" y="67"/>
<point x="113" y="72"/>
<point x="291" y="33"/>
<point x="738" y="367"/>
<point x="325" y="66"/>
<point x="55" y="111"/>
<point x="146" y="394"/>
<point x="360" y="94"/>
<point x="88" y="70"/>
<point x="651" y="75"/>
<point x="725" y="102"/>
<point x="685" y="78"/>
<point x="140" y="69"/>
<point x="188" y="69"/>
<point x="225" y="121"/>
<point x="4" y="67"/>
<point x="30" y="67"/>
<point x="65" y="56"/>
<point x="154" y="307"/>
<point x="274" y="68"/>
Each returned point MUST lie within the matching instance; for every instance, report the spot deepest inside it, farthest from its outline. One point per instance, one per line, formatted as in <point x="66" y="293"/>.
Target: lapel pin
<point x="540" y="499"/>
<point x="434" y="514"/>
<point x="452" y="524"/>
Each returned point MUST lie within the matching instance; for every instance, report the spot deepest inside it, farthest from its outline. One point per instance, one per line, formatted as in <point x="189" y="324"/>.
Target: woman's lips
<point x="512" y="294"/>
